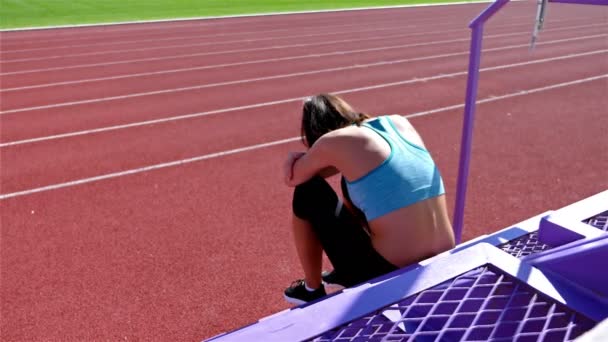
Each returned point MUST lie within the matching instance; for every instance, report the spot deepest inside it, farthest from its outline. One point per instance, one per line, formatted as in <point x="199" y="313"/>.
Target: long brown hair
<point x="324" y="113"/>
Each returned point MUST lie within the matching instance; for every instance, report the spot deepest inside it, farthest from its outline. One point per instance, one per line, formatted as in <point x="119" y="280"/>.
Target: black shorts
<point x="342" y="235"/>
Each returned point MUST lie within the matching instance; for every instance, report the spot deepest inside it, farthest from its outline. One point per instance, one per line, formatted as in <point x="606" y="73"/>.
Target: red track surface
<point x="183" y="252"/>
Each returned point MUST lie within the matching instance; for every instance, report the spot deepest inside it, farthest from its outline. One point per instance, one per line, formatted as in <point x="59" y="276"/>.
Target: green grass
<point x="35" y="13"/>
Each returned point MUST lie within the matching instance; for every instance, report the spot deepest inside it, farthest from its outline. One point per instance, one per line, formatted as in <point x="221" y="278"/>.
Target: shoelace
<point x="296" y="283"/>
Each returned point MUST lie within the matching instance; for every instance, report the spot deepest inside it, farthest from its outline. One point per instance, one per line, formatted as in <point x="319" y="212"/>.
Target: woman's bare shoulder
<point x="344" y="139"/>
<point x="345" y="133"/>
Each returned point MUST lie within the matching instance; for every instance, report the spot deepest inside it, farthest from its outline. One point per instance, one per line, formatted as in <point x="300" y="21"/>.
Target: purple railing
<point x="469" y="113"/>
<point x="471" y="98"/>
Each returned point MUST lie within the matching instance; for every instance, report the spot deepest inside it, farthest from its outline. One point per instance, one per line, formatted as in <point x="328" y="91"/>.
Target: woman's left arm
<point x="309" y="164"/>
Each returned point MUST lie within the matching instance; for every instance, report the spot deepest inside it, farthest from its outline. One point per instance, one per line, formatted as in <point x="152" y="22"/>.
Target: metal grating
<point x="524" y="245"/>
<point x="480" y="305"/>
<point x="599" y="221"/>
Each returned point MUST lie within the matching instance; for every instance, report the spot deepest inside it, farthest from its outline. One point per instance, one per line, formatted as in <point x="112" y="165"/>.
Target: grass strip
<point x="41" y="13"/>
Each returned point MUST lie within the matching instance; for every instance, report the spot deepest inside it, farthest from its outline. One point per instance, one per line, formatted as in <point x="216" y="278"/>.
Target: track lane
<point x="94" y="154"/>
<point x="305" y="33"/>
<point x="14" y="76"/>
<point x="207" y="52"/>
<point x="153" y="64"/>
<point x="351" y="56"/>
<point x="36" y="66"/>
<point x="23" y="125"/>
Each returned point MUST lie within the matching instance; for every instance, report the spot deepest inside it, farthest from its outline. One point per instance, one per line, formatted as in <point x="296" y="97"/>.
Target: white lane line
<point x="265" y="104"/>
<point x="240" y="51"/>
<point x="278" y="142"/>
<point x="259" y="61"/>
<point x="198" y="87"/>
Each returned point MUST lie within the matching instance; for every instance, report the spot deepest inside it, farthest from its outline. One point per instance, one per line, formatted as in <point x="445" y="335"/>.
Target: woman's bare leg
<point x="309" y="251"/>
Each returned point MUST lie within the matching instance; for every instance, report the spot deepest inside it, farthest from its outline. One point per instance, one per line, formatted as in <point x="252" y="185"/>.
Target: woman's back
<point x="394" y="181"/>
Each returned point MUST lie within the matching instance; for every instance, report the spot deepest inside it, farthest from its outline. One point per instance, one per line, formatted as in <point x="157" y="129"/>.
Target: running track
<point x="141" y="190"/>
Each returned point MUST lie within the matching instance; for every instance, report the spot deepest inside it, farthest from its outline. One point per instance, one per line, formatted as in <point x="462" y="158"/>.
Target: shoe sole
<point x="294" y="300"/>
<point x="333" y="286"/>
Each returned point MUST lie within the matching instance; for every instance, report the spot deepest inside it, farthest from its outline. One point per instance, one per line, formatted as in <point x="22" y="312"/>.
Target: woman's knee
<point x="314" y="198"/>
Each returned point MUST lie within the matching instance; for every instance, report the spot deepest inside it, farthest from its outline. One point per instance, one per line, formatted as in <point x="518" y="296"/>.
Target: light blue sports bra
<point x="409" y="175"/>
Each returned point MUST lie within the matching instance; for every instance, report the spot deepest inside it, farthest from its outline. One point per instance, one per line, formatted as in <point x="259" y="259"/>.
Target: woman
<point x="394" y="213"/>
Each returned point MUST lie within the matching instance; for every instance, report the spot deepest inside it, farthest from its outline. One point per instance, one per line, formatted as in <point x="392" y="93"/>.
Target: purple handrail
<point x="471" y="99"/>
<point x="469" y="113"/>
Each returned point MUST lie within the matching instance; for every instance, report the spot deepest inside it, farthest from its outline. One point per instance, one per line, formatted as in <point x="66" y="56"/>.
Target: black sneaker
<point x="331" y="279"/>
<point x="298" y="294"/>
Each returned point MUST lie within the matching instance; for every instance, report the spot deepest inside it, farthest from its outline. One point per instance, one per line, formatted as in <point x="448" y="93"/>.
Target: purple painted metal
<point x="469" y="113"/>
<point x="555" y="234"/>
<point x="565" y="262"/>
<point x="583" y="2"/>
<point x="558" y="229"/>
<point x="467" y="132"/>
<point x="486" y="14"/>
<point x="599" y="221"/>
<point x="480" y="305"/>
<point x="525" y="245"/>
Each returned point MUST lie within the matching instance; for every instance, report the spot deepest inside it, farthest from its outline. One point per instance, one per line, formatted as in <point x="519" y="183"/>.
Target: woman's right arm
<point x="306" y="165"/>
<point x="328" y="172"/>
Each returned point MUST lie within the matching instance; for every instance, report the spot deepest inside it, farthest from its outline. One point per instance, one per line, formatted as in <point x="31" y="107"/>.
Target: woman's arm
<point x="328" y="172"/>
<point x="316" y="160"/>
